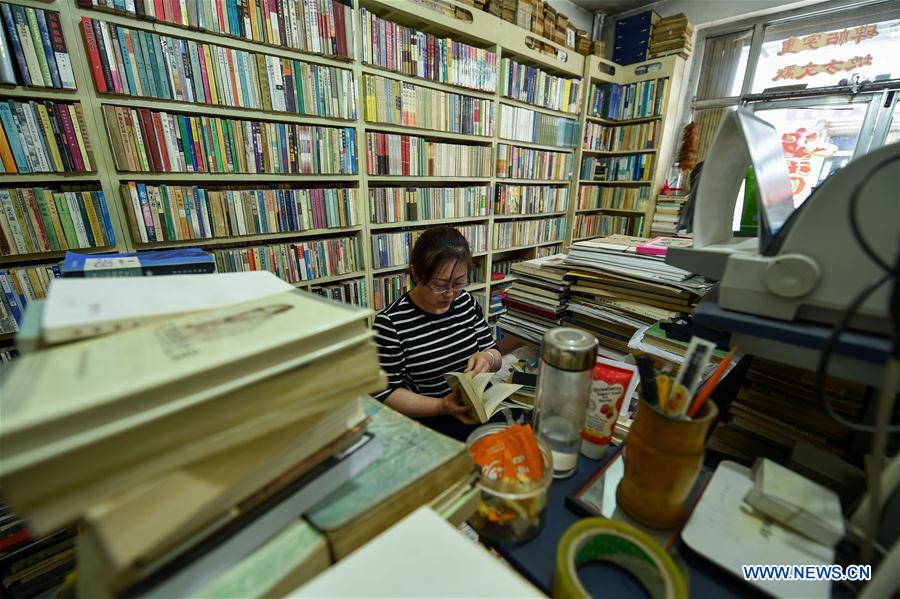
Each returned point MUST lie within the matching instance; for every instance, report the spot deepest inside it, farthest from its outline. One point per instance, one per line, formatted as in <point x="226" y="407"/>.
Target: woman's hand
<point x="483" y="361"/>
<point x="451" y="406"/>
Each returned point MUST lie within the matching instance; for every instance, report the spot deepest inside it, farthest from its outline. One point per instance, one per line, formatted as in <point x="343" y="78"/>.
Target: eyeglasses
<point x="444" y="290"/>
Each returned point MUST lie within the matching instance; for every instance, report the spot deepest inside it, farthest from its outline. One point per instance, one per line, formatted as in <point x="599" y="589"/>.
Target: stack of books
<point x="671" y="35"/>
<point x="239" y="418"/>
<point x="536" y="300"/>
<point x="618" y="290"/>
<point x="777" y="407"/>
<point x="32" y="566"/>
<point x="668" y="213"/>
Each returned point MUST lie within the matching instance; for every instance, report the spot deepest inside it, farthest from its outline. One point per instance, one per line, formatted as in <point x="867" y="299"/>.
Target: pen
<point x="648" y="379"/>
<point x="713" y="381"/>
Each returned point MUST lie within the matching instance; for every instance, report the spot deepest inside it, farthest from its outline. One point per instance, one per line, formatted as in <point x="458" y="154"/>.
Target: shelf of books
<point x="626" y="146"/>
<point x="319" y="153"/>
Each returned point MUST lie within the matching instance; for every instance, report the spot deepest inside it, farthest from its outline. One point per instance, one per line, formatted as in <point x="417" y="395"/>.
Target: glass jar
<point x="563" y="388"/>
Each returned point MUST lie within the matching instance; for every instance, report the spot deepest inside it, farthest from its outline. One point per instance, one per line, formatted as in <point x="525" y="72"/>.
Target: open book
<point x="479" y="394"/>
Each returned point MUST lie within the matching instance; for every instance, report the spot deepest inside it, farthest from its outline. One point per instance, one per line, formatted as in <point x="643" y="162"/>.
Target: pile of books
<point x="777" y="408"/>
<point x="667" y="214"/>
<point x="671" y="35"/>
<point x="536" y="300"/>
<point x="622" y="285"/>
<point x="184" y="444"/>
<point x="32" y="566"/>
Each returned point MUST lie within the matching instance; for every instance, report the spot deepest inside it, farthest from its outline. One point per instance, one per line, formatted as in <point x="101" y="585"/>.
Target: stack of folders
<point x="187" y="431"/>
<point x="536" y="301"/>
<point x="618" y="290"/>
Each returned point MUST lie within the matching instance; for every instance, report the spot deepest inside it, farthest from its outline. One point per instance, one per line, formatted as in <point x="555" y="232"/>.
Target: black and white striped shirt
<point x="416" y="348"/>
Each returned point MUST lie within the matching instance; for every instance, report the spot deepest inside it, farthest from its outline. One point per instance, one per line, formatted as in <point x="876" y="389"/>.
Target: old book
<point x="145" y="522"/>
<point x="78" y="423"/>
<point x="418" y="465"/>
<point x="477" y="392"/>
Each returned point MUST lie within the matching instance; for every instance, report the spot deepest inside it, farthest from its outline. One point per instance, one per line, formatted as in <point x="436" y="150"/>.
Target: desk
<point x="536" y="558"/>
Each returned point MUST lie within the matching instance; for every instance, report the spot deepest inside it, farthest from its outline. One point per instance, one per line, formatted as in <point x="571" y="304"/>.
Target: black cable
<point x="825" y="358"/>
<point x="854" y="222"/>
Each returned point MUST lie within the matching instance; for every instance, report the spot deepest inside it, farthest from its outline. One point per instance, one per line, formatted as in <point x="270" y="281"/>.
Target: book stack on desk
<point x="536" y="300"/>
<point x="618" y="290"/>
<point x="183" y="445"/>
<point x="667" y="214"/>
<point x="32" y="566"/>
<point x="777" y="407"/>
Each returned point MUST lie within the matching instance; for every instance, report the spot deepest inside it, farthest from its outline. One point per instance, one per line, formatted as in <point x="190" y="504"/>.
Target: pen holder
<point x="663" y="456"/>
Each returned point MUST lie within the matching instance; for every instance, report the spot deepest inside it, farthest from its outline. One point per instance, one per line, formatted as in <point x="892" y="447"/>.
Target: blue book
<point x="110" y="232"/>
<point x="119" y="34"/>
<point x="9" y="125"/>
<point x="48" y="47"/>
<point x="13" y="36"/>
<point x="12" y="298"/>
<point x="178" y="261"/>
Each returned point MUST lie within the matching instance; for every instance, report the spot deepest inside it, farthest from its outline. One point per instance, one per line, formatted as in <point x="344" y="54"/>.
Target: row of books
<point x="407" y="155"/>
<point x="621" y="198"/>
<point x="504" y="267"/>
<point x="415" y="53"/>
<point x="178" y="212"/>
<point x="389" y="288"/>
<point x="527" y="163"/>
<point x="522" y="124"/>
<point x="603" y="225"/>
<point x="393" y="249"/>
<point x="515" y="233"/>
<point x="295" y="262"/>
<point x="538" y="87"/>
<point x="530" y="199"/>
<point x="44" y="137"/>
<point x="33" y="48"/>
<point x="397" y="204"/>
<point x="135" y="62"/>
<point x="631" y="101"/>
<point x="348" y="292"/>
<point x="620" y="168"/>
<point x="38" y="219"/>
<point x="642" y="136"/>
<point x="21" y="286"/>
<point x="401" y="103"/>
<point x="161" y="142"/>
<point x="315" y="26"/>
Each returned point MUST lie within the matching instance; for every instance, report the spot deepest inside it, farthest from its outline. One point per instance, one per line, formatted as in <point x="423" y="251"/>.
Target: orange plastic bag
<point x="512" y="455"/>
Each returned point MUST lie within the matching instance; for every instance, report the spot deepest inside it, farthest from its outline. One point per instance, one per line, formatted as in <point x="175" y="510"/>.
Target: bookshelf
<point x="466" y="157"/>
<point x="612" y="206"/>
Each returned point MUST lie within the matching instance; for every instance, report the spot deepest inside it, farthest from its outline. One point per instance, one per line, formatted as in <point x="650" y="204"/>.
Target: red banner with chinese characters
<point x="792" y="45"/>
<point x="796" y="71"/>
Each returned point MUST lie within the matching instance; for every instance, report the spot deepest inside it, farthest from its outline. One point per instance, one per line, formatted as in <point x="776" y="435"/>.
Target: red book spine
<point x="160" y="10"/>
<point x="404" y="154"/>
<point x="90" y="42"/>
<point x="340" y="40"/>
<point x="15" y="539"/>
<point x="176" y="12"/>
<point x="68" y="130"/>
<point x="146" y="122"/>
<point x="161" y="141"/>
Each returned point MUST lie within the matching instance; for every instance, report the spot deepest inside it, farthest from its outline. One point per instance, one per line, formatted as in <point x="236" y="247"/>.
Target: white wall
<point x="578" y="16"/>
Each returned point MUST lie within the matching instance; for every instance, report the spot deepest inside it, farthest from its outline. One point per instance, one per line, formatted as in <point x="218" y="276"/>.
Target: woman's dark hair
<point x="435" y="246"/>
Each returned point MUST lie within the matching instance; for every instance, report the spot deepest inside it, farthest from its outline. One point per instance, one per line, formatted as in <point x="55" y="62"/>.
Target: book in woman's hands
<point x="479" y="393"/>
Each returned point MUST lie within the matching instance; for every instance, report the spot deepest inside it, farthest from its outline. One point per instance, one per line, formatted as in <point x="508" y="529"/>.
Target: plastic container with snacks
<point x="516" y="472"/>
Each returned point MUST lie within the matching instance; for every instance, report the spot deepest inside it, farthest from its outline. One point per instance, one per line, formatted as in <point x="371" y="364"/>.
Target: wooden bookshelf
<point x="461" y="23"/>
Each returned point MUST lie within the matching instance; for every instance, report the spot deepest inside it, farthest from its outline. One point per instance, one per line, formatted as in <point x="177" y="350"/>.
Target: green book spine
<point x="39" y="195"/>
<point x="160" y="71"/>
<point x="199" y="91"/>
<point x="185" y="143"/>
<point x="168" y="212"/>
<point x="142" y="56"/>
<point x="150" y="63"/>
<point x="79" y="201"/>
<point x="214" y="130"/>
<point x="35" y="30"/>
<point x="62" y="207"/>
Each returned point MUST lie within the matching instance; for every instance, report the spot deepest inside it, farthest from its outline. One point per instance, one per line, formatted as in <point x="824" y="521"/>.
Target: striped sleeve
<point x="482" y="331"/>
<point x="390" y="355"/>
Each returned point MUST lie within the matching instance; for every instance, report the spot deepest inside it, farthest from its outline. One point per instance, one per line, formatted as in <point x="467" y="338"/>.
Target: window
<point x="825" y="77"/>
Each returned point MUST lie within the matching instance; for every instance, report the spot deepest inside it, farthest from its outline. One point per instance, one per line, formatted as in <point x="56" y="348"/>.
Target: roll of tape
<point x="599" y="539"/>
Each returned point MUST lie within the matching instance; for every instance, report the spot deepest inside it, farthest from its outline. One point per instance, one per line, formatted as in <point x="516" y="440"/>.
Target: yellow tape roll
<point x="622" y="544"/>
